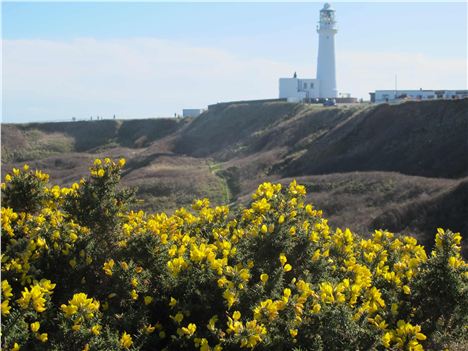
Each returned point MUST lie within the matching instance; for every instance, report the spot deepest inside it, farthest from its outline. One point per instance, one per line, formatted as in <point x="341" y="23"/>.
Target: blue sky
<point x="153" y="59"/>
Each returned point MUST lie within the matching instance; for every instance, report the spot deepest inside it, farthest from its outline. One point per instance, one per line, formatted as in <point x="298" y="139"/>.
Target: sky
<point x="152" y="59"/>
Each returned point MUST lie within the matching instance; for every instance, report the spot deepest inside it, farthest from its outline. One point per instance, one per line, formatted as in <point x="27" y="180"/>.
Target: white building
<point x="192" y="112"/>
<point x="295" y="89"/>
<point x="380" y="96"/>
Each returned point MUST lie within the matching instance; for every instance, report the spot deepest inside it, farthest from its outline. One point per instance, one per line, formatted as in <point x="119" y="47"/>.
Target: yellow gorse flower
<point x="80" y="303"/>
<point x="42" y="337"/>
<point x="36" y="295"/>
<point x="108" y="266"/>
<point x="189" y="330"/>
<point x="96" y="329"/>
<point x="369" y="277"/>
<point x="35" y="326"/>
<point x="283" y="259"/>
<point x="126" y="340"/>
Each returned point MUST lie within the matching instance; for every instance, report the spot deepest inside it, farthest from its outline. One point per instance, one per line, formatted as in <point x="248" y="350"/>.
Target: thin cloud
<point x="145" y="77"/>
<point x="133" y="77"/>
<point x="362" y="72"/>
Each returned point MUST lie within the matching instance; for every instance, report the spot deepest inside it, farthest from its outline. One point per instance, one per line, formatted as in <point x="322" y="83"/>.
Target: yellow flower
<point x="295" y="189"/>
<point x="124" y="265"/>
<point x="316" y="255"/>
<point x="420" y="336"/>
<point x="293" y="332"/>
<point x="148" y="329"/>
<point x="96" y="329"/>
<point x="287" y="267"/>
<point x="126" y="340"/>
<point x="283" y="259"/>
<point x="394" y="309"/>
<point x="173" y="302"/>
<point x="69" y="310"/>
<point x="6" y="289"/>
<point x="230" y="297"/>
<point x="34" y="295"/>
<point x="101" y="173"/>
<point x="406" y="289"/>
<point x="236" y="315"/>
<point x="80" y="302"/>
<point x="122" y="162"/>
<point x="189" y="330"/>
<point x="264" y="229"/>
<point x="386" y="339"/>
<point x="35" y="326"/>
<point x="97" y="162"/>
<point x="108" y="265"/>
<point x="72" y="263"/>
<point x="42" y="337"/>
<point x="134" y="294"/>
<point x="148" y="300"/>
<point x="264" y="277"/>
<point x="178" y="317"/>
<point x="212" y="323"/>
<point x="5" y="308"/>
<point x="15" y="347"/>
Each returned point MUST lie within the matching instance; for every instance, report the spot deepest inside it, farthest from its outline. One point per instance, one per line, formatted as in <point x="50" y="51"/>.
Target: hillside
<point x="431" y="135"/>
<point x="402" y="167"/>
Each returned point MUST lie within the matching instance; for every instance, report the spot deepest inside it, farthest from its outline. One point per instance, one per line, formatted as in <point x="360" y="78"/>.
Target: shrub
<point x="81" y="271"/>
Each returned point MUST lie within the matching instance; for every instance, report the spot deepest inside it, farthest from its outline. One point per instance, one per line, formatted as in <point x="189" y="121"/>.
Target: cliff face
<point x="402" y="167"/>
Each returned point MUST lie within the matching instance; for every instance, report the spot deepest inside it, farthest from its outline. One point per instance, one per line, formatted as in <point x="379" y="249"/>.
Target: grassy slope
<point x="165" y="180"/>
<point x="417" y="138"/>
<point x="347" y="156"/>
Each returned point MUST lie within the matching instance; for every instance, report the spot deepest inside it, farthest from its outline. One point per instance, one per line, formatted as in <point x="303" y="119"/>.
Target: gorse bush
<point x="80" y="271"/>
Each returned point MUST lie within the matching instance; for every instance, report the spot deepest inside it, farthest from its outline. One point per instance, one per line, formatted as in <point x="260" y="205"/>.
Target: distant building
<point x="380" y="96"/>
<point x="297" y="90"/>
<point x="192" y="112"/>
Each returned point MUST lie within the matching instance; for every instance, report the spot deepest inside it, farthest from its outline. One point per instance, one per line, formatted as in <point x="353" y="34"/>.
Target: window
<point x="305" y="85"/>
<point x="311" y="85"/>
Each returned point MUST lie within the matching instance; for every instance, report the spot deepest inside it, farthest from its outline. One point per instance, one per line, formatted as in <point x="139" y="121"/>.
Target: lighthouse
<point x="326" y="74"/>
<point x="296" y="89"/>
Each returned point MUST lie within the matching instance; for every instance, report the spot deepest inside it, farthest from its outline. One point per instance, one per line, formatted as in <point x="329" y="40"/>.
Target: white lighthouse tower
<point x="296" y="89"/>
<point x="326" y="53"/>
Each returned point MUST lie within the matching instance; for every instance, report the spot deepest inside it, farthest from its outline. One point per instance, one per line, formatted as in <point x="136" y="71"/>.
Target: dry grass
<point x="395" y="167"/>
